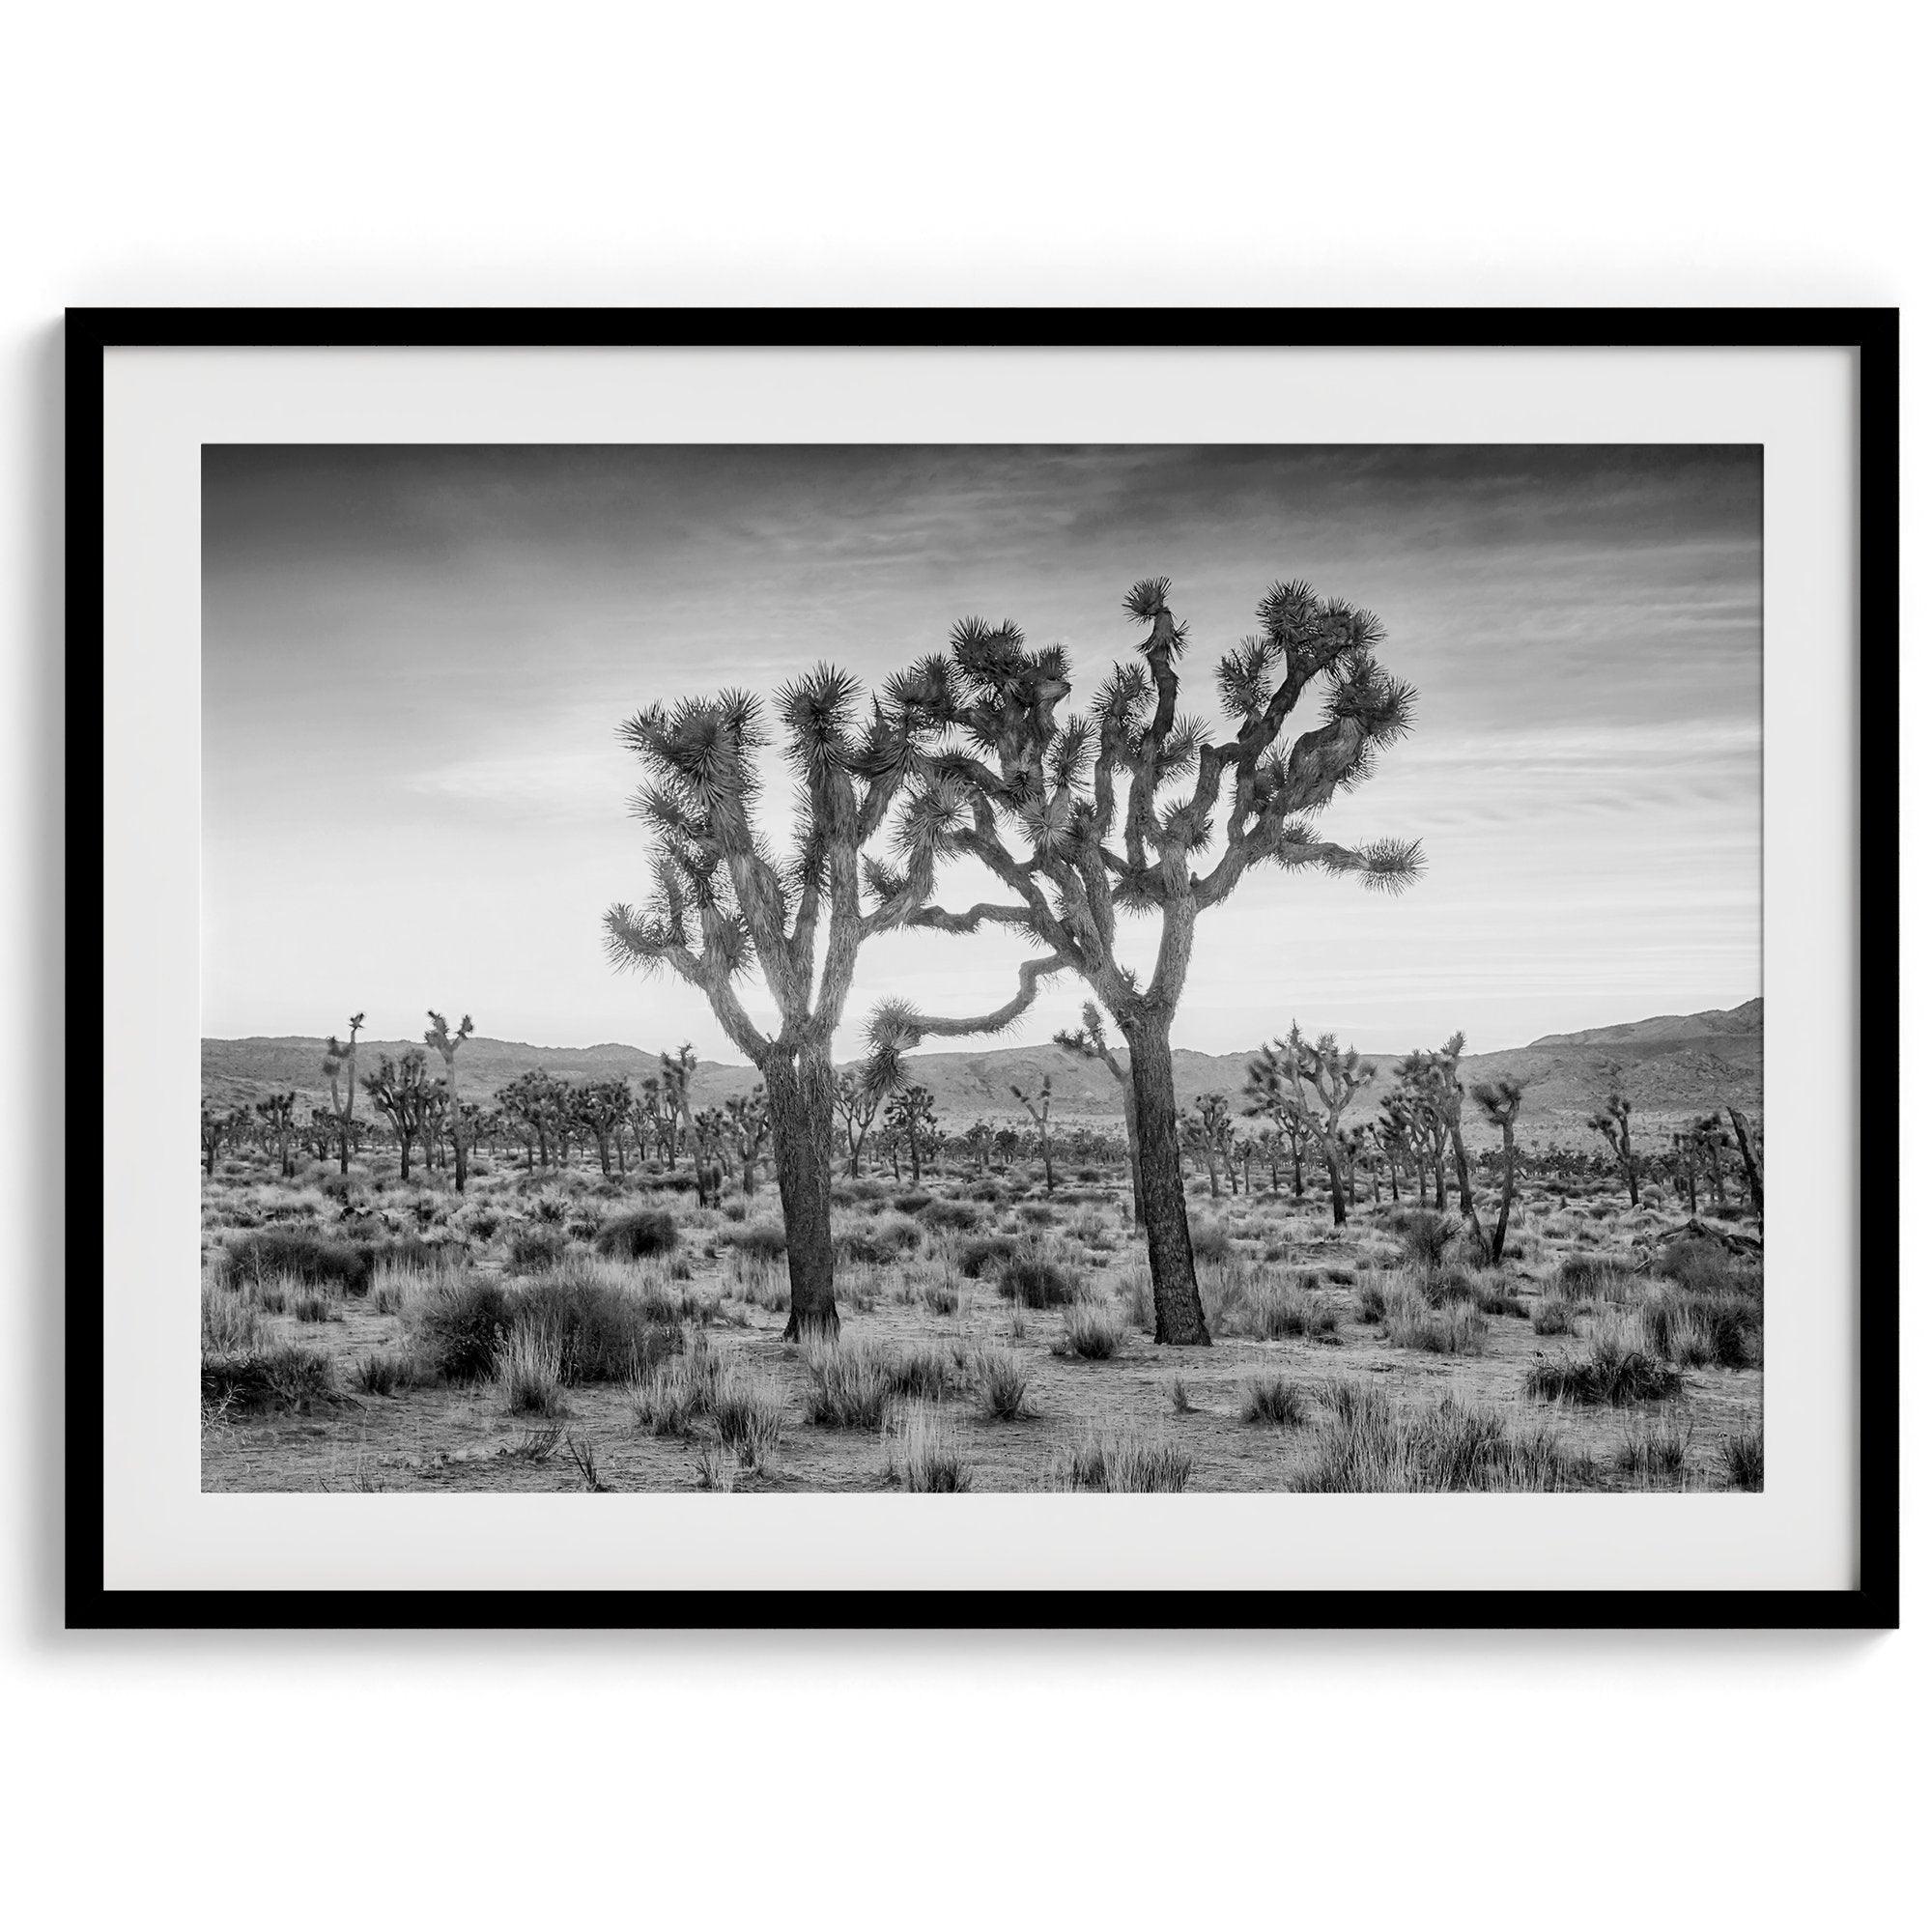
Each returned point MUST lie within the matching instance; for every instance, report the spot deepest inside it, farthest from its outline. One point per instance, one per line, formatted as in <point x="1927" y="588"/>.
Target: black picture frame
<point x="1872" y="332"/>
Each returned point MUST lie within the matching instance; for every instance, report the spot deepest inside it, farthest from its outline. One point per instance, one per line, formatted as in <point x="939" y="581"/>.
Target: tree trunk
<point x="1133" y="1152"/>
<point x="1509" y="1194"/>
<point x="1464" y="1198"/>
<point x="403" y="1142"/>
<point x="1753" y="1180"/>
<point x="1178" y="1316"/>
<point x="1297" y="1170"/>
<point x="801" y="1092"/>
<point x="1337" y="1202"/>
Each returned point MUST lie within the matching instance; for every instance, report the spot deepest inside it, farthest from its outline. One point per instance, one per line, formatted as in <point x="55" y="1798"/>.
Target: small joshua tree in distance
<point x="1088" y="1040"/>
<point x="277" y="1113"/>
<point x="1039" y="1110"/>
<point x="1614" y="1125"/>
<point x="446" y="1043"/>
<point x="338" y="1059"/>
<point x="1499" y="1101"/>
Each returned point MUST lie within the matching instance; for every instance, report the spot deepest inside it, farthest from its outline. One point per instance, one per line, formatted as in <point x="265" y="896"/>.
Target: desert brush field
<point x="563" y="1330"/>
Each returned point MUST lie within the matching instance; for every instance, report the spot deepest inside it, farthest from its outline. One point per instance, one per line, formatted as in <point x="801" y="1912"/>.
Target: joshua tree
<point x="1499" y="1101"/>
<point x="978" y="1138"/>
<point x="339" y="1060"/>
<point x="1083" y="799"/>
<point x="1039" y="1110"/>
<point x="603" y="1107"/>
<point x="857" y="1099"/>
<point x="722" y="906"/>
<point x="911" y="1121"/>
<point x="1684" y="1159"/>
<point x="1089" y="1039"/>
<point x="674" y="1074"/>
<point x="1753" y="1177"/>
<point x="446" y="1043"/>
<point x="748" y="1124"/>
<point x="1313" y="1082"/>
<point x="277" y="1113"/>
<point x="1216" y="1130"/>
<point x="537" y="1105"/>
<point x="398" y="1090"/>
<point x="216" y="1127"/>
<point x="1614" y="1125"/>
<point x="1710" y="1139"/>
<point x="1425" y="1101"/>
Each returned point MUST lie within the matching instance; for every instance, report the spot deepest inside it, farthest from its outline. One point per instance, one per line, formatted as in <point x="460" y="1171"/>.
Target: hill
<point x="1670" y="1066"/>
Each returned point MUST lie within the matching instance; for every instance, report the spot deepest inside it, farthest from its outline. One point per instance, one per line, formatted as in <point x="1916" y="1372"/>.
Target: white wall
<point x="1404" y="153"/>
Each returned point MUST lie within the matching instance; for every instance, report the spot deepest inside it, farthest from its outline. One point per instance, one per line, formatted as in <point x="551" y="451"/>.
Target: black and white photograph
<point x="938" y="968"/>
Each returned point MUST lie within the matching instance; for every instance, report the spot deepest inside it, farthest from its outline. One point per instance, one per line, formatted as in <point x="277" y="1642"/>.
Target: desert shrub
<point x="1372" y="1300"/>
<point x="307" y="1257"/>
<point x="1003" y="1377"/>
<point x="924" y="1454"/>
<point x="847" y="1192"/>
<point x="1743" y="1459"/>
<point x="923" y="1373"/>
<point x="604" y="1333"/>
<point x="1411" y="1324"/>
<point x="287" y="1376"/>
<point x="633" y="1237"/>
<point x="912" y="1200"/>
<point x="883" y="1238"/>
<point x="1127" y="1462"/>
<point x="1552" y="1316"/>
<point x="1089" y="1333"/>
<point x="1244" y="1300"/>
<point x="1212" y="1242"/>
<point x="763" y="1282"/>
<point x="986" y="1254"/>
<point x="1179" y="1397"/>
<point x="1654" y="1450"/>
<point x="1032" y="1281"/>
<point x="1699" y="1332"/>
<point x="381" y="1374"/>
<point x="311" y="1304"/>
<point x="764" y="1240"/>
<point x="411" y="1252"/>
<point x="850" y="1387"/>
<point x="960" y="1216"/>
<point x="680" y="1180"/>
<point x="1441" y="1287"/>
<point x="942" y="1297"/>
<point x="1500" y="1301"/>
<point x="1617" y="1372"/>
<point x="1375" y="1446"/>
<point x="1425" y="1236"/>
<point x="1595" y="1278"/>
<point x="1698" y="1263"/>
<point x="480" y="1223"/>
<point x="1273" y="1400"/>
<point x="229" y="1323"/>
<point x="750" y="1414"/>
<point x="454" y="1327"/>
<point x="530" y="1369"/>
<point x="535" y="1249"/>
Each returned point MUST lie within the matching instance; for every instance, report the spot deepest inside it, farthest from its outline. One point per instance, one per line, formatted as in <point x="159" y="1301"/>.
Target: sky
<point x="415" y="659"/>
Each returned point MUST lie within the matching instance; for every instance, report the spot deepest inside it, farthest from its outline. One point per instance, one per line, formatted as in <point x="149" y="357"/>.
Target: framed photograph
<point x="949" y="968"/>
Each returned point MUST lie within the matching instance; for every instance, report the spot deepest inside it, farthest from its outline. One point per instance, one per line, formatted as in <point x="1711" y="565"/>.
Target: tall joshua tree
<point x="1499" y="1101"/>
<point x="1217" y="1131"/>
<point x="1039" y="1110"/>
<point x="748" y="1127"/>
<point x="722" y="906"/>
<point x="913" y="1121"/>
<point x="338" y="1062"/>
<point x="1753" y="1177"/>
<point x="857" y="1099"/>
<point x="398" y="1090"/>
<point x="1614" y="1125"/>
<point x="1088" y="1040"/>
<point x="277" y="1113"/>
<point x="446" y="1043"/>
<point x="1075" y="819"/>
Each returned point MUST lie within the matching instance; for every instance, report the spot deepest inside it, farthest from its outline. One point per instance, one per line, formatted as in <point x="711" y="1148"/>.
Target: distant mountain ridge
<point x="1670" y="1066"/>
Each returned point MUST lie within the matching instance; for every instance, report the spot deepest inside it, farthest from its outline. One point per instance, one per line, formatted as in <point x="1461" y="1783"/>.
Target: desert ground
<point x="563" y="1330"/>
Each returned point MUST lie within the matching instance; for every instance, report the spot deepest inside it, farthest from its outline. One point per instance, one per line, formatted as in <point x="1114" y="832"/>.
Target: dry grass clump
<point x="1411" y="1323"/>
<point x="763" y="1239"/>
<point x="382" y="1374"/>
<point x="1241" y="1298"/>
<point x="1655" y="1449"/>
<point x="296" y="1255"/>
<point x="1003" y="1377"/>
<point x="230" y="1324"/>
<point x="635" y="1236"/>
<point x="880" y="1237"/>
<point x="1617" y="1372"/>
<point x="286" y="1376"/>
<point x="530" y="1369"/>
<point x="1743" y="1459"/>
<point x="1032" y="1281"/>
<point x="924" y="1454"/>
<point x="985" y="1254"/>
<point x="1089" y="1333"/>
<point x="1595" y="1278"/>
<point x="1273" y="1400"/>
<point x="749" y="1409"/>
<point x="1554" y="1315"/>
<point x="668" y="1398"/>
<point x="532" y="1249"/>
<point x="953" y="1216"/>
<point x="1123" y="1461"/>
<point x="1375" y="1445"/>
<point x="851" y="1386"/>
<point x="1212" y="1242"/>
<point x="606" y="1331"/>
<point x="1719" y="1330"/>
